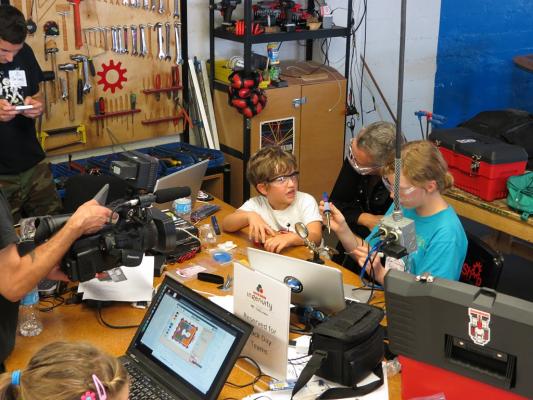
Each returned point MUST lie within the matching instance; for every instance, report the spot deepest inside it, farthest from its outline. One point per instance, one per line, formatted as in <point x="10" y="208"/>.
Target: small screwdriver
<point x="133" y="105"/>
<point x="327" y="211"/>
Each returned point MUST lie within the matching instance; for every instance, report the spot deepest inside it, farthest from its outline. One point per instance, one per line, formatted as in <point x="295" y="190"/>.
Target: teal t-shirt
<point x="441" y="241"/>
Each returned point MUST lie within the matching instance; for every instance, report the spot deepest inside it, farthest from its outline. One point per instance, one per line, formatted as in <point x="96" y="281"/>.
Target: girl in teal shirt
<point x="440" y="235"/>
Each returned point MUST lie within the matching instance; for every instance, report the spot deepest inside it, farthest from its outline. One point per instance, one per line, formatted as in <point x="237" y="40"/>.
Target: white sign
<point x="264" y="303"/>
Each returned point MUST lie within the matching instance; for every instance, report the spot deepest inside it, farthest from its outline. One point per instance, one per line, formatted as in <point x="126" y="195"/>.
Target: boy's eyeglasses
<point x="284" y="179"/>
<point x="403" y="190"/>
<point x="355" y="165"/>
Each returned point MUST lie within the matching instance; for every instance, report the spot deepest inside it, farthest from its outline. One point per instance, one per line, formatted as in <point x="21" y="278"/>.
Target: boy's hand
<point x="258" y="229"/>
<point x="281" y="241"/>
<point x="7" y="111"/>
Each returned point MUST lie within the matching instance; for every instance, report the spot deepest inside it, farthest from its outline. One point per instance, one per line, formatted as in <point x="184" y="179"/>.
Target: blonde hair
<point x="63" y="371"/>
<point x="268" y="163"/>
<point x="422" y="162"/>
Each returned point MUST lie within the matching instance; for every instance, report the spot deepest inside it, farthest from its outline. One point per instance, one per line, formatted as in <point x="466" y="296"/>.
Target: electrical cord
<point x="256" y="378"/>
<point x="100" y="319"/>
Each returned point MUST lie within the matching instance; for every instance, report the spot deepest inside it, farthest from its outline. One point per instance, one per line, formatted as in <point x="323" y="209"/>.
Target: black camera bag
<point x="346" y="348"/>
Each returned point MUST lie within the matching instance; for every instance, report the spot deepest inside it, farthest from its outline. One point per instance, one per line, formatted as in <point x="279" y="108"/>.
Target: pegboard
<point x="106" y="36"/>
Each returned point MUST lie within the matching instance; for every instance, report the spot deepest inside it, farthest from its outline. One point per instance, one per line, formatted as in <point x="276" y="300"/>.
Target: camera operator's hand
<point x="57" y="275"/>
<point x="90" y="217"/>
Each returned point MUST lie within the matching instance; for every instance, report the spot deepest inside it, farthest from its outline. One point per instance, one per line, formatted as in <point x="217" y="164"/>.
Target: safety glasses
<point x="282" y="180"/>
<point x="363" y="170"/>
<point x="403" y="190"/>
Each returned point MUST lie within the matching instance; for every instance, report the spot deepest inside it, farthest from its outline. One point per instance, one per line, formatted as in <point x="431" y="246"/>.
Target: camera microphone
<point x="160" y="196"/>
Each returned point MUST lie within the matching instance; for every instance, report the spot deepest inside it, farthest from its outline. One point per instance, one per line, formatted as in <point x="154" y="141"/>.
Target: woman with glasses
<point x="440" y="236"/>
<point x="359" y="192"/>
<point x="271" y="216"/>
<point x="66" y="371"/>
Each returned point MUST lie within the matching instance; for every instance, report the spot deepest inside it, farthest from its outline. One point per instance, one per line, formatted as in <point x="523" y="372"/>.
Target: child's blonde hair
<point x="63" y="371"/>
<point x="422" y="162"/>
<point x="269" y="162"/>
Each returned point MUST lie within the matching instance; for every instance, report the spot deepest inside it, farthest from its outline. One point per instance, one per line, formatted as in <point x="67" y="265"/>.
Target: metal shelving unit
<point x="248" y="39"/>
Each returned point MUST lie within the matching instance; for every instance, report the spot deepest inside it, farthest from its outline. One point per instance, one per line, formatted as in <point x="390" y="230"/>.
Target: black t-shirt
<point x="8" y="310"/>
<point x="19" y="147"/>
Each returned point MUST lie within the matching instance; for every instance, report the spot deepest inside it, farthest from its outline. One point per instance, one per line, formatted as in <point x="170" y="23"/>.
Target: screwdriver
<point x="101" y="107"/>
<point x="97" y="113"/>
<point x="327" y="211"/>
<point x="133" y="106"/>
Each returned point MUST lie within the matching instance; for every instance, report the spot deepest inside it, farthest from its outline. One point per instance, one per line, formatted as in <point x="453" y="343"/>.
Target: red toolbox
<point x="420" y="380"/>
<point x="480" y="164"/>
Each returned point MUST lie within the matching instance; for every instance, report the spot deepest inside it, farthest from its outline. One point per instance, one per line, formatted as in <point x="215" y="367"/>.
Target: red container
<point x="420" y="379"/>
<point x="480" y="164"/>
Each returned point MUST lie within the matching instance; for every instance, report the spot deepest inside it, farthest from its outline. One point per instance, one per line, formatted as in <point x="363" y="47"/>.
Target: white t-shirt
<point x="304" y="209"/>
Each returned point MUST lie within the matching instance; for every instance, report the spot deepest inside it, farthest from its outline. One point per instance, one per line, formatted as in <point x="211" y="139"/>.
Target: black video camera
<point x="138" y="229"/>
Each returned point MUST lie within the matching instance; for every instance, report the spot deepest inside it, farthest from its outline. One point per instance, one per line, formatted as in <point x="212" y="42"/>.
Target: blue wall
<point x="477" y="42"/>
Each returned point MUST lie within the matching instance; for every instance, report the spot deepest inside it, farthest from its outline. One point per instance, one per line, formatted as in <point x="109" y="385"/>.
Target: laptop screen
<point x="191" y="339"/>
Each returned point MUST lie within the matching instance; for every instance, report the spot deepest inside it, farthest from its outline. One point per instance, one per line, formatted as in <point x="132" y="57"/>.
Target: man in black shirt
<point x="19" y="275"/>
<point x="359" y="192"/>
<point x="24" y="178"/>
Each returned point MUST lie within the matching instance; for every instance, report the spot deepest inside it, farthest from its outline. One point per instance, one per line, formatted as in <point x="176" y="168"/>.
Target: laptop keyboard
<point x="142" y="387"/>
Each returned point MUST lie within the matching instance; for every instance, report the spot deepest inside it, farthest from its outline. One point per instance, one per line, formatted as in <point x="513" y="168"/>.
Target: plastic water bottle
<point x="29" y="322"/>
<point x="183" y="207"/>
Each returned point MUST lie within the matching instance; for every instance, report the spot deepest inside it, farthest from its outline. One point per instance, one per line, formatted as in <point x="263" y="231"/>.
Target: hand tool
<point x="97" y="113"/>
<point x="177" y="36"/>
<point x="133" y="106"/>
<point x="161" y="9"/>
<point x="157" y="85"/>
<point x="175" y="75"/>
<point x="143" y="50"/>
<point x="176" y="13"/>
<point x="68" y="68"/>
<point x="48" y="76"/>
<point x="161" y="52"/>
<point x="64" y="89"/>
<point x="327" y="211"/>
<point x="64" y="11"/>
<point x="31" y="26"/>
<point x="51" y="48"/>
<point x="125" y="48"/>
<point x="149" y="48"/>
<point x="77" y="23"/>
<point x="134" y="40"/>
<point x="119" y="37"/>
<point x="80" y="58"/>
<point x="167" y="44"/>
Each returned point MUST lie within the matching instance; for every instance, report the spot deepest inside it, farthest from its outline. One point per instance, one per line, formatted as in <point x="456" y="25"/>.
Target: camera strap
<point x="314" y="364"/>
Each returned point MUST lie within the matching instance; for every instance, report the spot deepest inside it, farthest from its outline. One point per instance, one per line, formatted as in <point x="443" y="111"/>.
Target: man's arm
<point x="21" y="274"/>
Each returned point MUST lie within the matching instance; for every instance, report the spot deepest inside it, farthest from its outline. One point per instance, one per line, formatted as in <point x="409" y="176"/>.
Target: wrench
<point x="146" y="5"/>
<point x="167" y="47"/>
<point x="125" y="49"/>
<point x="161" y="7"/>
<point x="177" y="29"/>
<point x="161" y="55"/>
<point x="134" y="41"/>
<point x="142" y="31"/>
<point x="119" y="37"/>
<point x="114" y="47"/>
<point x="176" y="9"/>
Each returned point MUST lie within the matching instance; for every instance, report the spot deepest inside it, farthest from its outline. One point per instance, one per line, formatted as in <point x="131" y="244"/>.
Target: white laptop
<point x="191" y="176"/>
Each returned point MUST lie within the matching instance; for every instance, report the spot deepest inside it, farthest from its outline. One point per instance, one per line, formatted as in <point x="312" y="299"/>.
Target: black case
<point x="484" y="148"/>
<point x="353" y="339"/>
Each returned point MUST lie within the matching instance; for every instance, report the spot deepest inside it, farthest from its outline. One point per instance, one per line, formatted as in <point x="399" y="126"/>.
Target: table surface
<point x="495" y="214"/>
<point x="80" y="322"/>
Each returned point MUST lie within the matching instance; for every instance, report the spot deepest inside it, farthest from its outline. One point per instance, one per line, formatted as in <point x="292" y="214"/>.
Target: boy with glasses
<point x="271" y="216"/>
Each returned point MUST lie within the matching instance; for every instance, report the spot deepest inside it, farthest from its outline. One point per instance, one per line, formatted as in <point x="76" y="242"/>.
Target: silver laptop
<point x="184" y="348"/>
<point x="191" y="176"/>
<point x="311" y="284"/>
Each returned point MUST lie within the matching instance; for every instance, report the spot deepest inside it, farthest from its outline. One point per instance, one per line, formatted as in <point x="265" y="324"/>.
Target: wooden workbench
<point x="79" y="322"/>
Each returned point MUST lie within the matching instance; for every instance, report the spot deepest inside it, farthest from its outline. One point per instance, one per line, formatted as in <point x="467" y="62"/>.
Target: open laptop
<point x="311" y="284"/>
<point x="185" y="346"/>
<point x="191" y="176"/>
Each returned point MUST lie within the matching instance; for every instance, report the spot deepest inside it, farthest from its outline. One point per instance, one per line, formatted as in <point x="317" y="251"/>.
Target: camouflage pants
<point x="31" y="193"/>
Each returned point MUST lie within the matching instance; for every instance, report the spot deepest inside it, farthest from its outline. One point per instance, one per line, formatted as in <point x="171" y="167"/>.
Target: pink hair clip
<point x="100" y="389"/>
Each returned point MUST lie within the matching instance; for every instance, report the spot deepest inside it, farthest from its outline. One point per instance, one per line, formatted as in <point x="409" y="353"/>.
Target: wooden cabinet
<point x="318" y="128"/>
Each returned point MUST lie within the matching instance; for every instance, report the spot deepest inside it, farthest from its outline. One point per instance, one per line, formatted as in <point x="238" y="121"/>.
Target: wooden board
<point x="117" y="75"/>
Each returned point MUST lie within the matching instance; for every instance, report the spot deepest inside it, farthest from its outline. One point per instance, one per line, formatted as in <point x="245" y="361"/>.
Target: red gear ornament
<point x="112" y="84"/>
